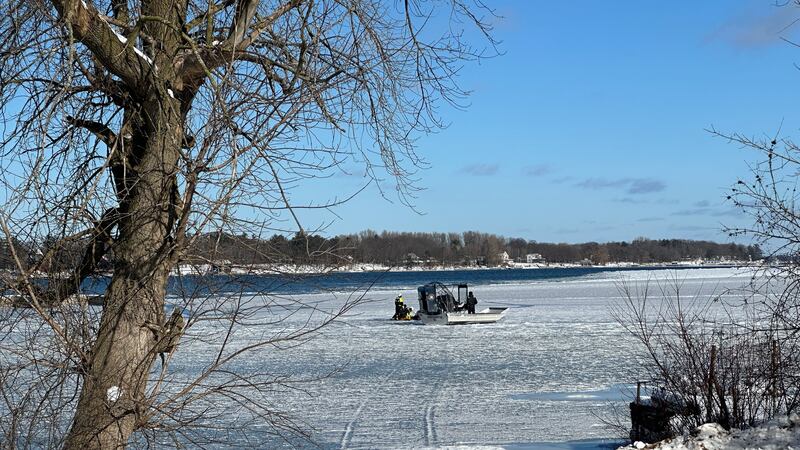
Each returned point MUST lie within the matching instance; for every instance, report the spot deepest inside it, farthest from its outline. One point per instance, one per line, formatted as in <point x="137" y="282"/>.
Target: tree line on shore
<point x="402" y="249"/>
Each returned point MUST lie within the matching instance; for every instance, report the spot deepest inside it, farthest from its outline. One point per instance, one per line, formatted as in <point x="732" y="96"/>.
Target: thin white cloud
<point x="631" y="200"/>
<point x="562" y="180"/>
<point x="646" y="186"/>
<point x="633" y="186"/>
<point x="537" y="170"/>
<point x="752" y="29"/>
<point x="480" y="170"/>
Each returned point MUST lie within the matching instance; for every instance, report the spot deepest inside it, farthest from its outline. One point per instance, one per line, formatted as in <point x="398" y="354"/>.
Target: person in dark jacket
<point x="471" y="302"/>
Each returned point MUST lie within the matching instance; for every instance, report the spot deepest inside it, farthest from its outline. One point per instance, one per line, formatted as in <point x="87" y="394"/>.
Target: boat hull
<point x="488" y="315"/>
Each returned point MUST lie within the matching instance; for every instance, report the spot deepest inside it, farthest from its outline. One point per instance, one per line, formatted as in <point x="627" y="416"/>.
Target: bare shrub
<point x="708" y="361"/>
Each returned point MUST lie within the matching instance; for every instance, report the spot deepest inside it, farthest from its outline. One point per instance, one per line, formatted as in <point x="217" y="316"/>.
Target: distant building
<point x="503" y="257"/>
<point x="477" y="261"/>
<point x="221" y="266"/>
<point x="412" y="259"/>
<point x="533" y="258"/>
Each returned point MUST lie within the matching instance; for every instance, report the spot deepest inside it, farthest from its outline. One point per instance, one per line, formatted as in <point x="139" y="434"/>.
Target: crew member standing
<point x="471" y="302"/>
<point x="399" y="308"/>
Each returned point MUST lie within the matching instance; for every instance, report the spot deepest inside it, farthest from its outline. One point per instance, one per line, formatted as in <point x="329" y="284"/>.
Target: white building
<point x="503" y="257"/>
<point x="534" y="258"/>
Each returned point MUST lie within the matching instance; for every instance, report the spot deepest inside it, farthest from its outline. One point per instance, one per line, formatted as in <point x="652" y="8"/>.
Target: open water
<point x="353" y="281"/>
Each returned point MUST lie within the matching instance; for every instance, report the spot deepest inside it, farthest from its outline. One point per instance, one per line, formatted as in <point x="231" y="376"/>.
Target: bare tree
<point x="130" y="128"/>
<point x="769" y="197"/>
<point x="737" y="367"/>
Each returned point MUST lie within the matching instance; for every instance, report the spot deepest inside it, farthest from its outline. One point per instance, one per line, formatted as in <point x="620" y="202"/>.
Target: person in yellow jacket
<point x="399" y="308"/>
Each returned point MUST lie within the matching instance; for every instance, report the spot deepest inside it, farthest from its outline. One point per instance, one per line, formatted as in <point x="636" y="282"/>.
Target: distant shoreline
<point x="289" y="269"/>
<point x="306" y="269"/>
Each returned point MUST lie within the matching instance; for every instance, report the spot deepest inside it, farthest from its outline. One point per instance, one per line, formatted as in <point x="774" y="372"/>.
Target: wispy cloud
<point x="646" y="201"/>
<point x="633" y="186"/>
<point x="692" y="228"/>
<point x="604" y="228"/>
<point x="646" y="186"/>
<point x="704" y="208"/>
<point x="631" y="200"/>
<point x="728" y="212"/>
<point x="650" y="219"/>
<point x="562" y="180"/>
<point x="699" y="208"/>
<point x="480" y="170"/>
<point x="693" y="212"/>
<point x="601" y="183"/>
<point x="750" y="29"/>
<point x="537" y="170"/>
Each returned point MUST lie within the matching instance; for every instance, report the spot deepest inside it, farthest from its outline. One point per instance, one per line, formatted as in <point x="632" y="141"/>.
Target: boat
<point x="439" y="306"/>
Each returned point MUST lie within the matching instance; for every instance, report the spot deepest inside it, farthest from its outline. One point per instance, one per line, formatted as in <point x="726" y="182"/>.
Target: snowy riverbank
<point x="297" y="269"/>
<point x="779" y="434"/>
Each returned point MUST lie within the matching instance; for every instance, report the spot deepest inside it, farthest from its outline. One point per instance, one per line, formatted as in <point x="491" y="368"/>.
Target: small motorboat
<point x="439" y="306"/>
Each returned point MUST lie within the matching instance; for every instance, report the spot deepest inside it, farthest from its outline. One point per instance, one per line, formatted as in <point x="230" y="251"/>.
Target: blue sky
<point x="592" y="125"/>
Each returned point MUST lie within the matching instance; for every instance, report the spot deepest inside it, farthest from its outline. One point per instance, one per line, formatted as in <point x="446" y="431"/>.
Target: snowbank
<point x="778" y="434"/>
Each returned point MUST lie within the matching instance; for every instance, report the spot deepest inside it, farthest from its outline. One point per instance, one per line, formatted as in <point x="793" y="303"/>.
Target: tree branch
<point x="96" y="34"/>
<point x="198" y="65"/>
<point x="245" y="11"/>
<point x="98" y="129"/>
<point x="62" y="288"/>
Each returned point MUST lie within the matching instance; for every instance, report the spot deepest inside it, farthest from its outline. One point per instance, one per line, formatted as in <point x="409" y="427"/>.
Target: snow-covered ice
<point x="555" y="369"/>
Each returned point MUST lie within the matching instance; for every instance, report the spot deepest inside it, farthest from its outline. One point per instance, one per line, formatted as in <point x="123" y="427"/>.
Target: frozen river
<point x="552" y="374"/>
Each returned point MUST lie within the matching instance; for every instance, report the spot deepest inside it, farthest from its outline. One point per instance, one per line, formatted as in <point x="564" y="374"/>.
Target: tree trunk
<point x="115" y="385"/>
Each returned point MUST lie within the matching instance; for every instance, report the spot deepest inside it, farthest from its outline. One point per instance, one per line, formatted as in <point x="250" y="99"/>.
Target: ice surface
<point x="555" y="369"/>
<point x="550" y="375"/>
